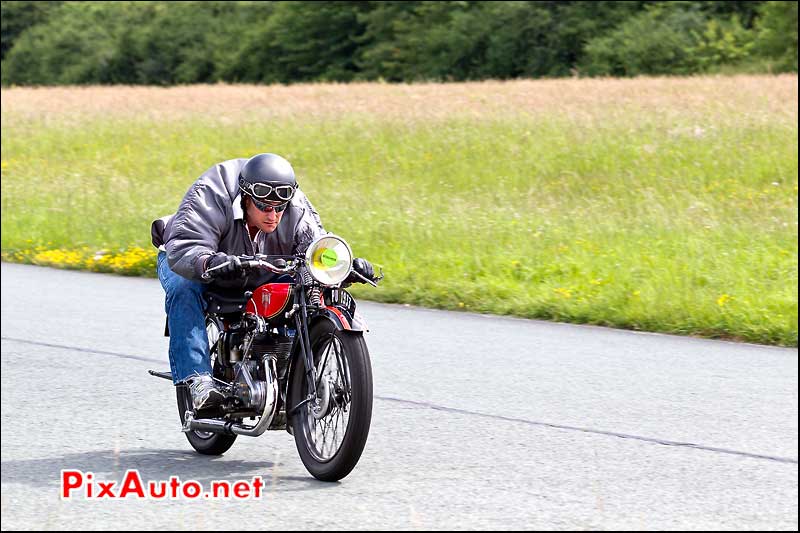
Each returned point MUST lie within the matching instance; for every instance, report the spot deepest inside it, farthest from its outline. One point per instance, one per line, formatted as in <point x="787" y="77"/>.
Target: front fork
<point x="301" y="325"/>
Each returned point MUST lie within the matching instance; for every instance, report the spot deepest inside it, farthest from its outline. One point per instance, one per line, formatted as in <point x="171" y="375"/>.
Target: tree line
<point x="166" y="43"/>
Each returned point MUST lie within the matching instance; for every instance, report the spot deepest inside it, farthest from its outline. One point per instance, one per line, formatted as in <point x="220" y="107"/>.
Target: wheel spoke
<point x="325" y="435"/>
<point x="335" y="423"/>
<point x="340" y="367"/>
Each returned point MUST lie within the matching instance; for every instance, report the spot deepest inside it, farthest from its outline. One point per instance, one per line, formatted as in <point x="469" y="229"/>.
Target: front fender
<point x="342" y="320"/>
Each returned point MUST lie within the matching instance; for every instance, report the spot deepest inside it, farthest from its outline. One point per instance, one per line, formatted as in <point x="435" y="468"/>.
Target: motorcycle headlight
<point x="329" y="260"/>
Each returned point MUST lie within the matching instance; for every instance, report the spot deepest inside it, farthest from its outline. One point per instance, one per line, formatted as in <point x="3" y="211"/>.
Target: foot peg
<point x="164" y="375"/>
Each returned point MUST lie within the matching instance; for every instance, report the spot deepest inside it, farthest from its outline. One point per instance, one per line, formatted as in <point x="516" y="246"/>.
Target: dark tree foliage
<point x="16" y="17"/>
<point x="301" y="41"/>
<point x="777" y="36"/>
<point x="165" y="43"/>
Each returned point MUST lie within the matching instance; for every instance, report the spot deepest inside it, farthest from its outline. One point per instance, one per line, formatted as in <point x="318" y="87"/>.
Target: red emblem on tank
<point x="270" y="300"/>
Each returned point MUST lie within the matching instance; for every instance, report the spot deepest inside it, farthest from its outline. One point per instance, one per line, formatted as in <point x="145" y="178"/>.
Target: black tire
<point x="358" y="406"/>
<point x="203" y="442"/>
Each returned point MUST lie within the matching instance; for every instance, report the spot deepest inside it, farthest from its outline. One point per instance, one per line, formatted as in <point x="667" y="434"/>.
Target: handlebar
<point x="254" y="263"/>
<point x="262" y="261"/>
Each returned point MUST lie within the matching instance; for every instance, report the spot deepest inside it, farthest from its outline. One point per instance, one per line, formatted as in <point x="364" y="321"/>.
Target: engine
<point x="255" y="383"/>
<point x="274" y="347"/>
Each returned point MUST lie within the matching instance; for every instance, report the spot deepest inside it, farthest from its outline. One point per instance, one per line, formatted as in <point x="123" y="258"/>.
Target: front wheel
<point x="331" y="432"/>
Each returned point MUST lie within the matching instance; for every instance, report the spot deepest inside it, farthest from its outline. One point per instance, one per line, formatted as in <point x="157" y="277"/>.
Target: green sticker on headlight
<point x="328" y="257"/>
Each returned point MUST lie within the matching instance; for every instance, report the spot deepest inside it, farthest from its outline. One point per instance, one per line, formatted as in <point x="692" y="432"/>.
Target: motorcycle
<point x="289" y="355"/>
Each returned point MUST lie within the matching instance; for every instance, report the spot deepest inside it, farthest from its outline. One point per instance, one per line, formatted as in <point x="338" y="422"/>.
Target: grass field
<point x="655" y="204"/>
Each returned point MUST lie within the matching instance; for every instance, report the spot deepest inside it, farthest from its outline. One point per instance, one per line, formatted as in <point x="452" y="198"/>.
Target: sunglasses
<point x="265" y="191"/>
<point x="268" y="208"/>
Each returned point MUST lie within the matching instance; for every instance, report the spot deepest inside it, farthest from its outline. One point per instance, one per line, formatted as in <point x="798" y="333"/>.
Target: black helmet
<point x="268" y="177"/>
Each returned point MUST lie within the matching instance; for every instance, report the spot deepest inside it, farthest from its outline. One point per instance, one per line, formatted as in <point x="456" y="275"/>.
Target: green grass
<point x="629" y="223"/>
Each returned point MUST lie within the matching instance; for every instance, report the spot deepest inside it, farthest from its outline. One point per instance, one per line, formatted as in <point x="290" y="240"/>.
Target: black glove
<point x="363" y="267"/>
<point x="232" y="269"/>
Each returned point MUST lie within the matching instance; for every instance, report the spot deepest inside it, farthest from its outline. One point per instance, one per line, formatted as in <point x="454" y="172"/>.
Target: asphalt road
<point x="479" y="422"/>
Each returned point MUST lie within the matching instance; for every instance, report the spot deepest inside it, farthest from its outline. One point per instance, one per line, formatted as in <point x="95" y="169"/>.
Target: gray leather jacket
<point x="210" y="219"/>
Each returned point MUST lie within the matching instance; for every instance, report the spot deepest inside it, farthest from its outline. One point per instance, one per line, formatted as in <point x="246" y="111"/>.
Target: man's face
<point x="267" y="221"/>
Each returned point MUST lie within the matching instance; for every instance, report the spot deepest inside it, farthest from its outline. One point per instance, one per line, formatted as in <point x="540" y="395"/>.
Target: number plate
<point x="342" y="299"/>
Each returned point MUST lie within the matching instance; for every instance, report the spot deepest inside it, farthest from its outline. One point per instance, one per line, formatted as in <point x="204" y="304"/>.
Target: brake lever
<point x="366" y="279"/>
<point x="207" y="273"/>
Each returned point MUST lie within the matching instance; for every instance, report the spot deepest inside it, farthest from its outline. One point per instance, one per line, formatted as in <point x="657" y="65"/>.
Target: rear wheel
<point x="204" y="442"/>
<point x="330" y="433"/>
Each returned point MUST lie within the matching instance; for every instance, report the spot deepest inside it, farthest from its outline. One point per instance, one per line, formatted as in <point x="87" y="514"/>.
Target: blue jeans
<point x="185" y="306"/>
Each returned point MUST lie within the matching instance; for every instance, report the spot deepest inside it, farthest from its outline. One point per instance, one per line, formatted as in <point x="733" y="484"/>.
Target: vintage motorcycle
<point x="289" y="355"/>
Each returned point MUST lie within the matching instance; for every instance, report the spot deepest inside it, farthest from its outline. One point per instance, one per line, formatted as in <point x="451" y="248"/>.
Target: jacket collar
<point x="238" y="212"/>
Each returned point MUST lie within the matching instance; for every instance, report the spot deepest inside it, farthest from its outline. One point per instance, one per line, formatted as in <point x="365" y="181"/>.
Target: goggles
<point x="266" y="191"/>
<point x="268" y="207"/>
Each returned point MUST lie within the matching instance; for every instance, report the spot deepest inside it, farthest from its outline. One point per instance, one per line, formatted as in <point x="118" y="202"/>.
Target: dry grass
<point x="757" y="98"/>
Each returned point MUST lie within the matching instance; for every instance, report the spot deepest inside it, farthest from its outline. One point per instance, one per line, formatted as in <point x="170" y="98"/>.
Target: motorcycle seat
<point x="222" y="301"/>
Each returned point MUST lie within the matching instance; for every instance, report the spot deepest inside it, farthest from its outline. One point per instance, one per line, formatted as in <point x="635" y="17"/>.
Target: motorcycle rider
<point x="237" y="207"/>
